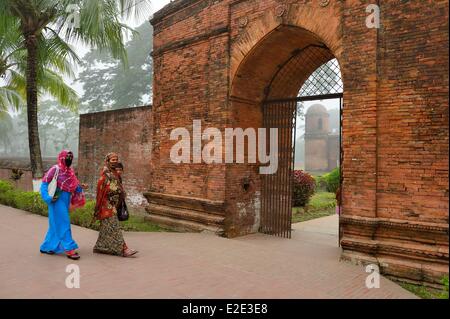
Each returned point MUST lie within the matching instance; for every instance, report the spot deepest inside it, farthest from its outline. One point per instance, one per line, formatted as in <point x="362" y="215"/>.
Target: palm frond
<point x="135" y="9"/>
<point x="10" y="99"/>
<point x="53" y="84"/>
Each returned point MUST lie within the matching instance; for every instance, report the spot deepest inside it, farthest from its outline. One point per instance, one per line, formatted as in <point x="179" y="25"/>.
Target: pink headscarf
<point x="67" y="181"/>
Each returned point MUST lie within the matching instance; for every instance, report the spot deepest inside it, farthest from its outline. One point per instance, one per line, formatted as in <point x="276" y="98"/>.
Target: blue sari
<point x="59" y="235"/>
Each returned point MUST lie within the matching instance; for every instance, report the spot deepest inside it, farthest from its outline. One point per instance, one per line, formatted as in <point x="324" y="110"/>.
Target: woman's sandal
<point x="129" y="252"/>
<point x="47" y="252"/>
<point x="72" y="255"/>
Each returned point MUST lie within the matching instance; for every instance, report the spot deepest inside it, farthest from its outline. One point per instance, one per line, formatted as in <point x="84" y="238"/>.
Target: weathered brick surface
<point x="412" y="112"/>
<point x="217" y="60"/>
<point x="127" y="132"/>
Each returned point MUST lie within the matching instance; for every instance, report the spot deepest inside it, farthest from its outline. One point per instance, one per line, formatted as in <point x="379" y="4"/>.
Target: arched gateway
<point x="241" y="64"/>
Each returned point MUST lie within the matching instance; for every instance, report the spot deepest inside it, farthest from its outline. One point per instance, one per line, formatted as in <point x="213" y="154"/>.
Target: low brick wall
<point x="25" y="183"/>
<point x="126" y="132"/>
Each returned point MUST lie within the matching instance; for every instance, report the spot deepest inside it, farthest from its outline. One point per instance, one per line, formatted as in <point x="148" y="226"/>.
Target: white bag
<point x="52" y="185"/>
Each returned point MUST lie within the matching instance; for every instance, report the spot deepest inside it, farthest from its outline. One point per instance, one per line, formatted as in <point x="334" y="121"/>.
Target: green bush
<point x="8" y="198"/>
<point x="5" y="186"/>
<point x="332" y="180"/>
<point x="83" y="216"/>
<point x="321" y="183"/>
<point x="31" y="202"/>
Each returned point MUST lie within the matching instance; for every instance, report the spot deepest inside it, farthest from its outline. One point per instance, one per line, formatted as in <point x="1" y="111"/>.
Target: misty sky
<point x="81" y="50"/>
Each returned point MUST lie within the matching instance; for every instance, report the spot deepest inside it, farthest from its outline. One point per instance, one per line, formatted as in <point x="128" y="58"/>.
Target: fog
<point x="58" y="126"/>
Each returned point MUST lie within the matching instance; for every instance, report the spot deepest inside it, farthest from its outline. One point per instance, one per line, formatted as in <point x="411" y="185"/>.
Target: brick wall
<point x="214" y="60"/>
<point x="412" y="112"/>
<point x="127" y="132"/>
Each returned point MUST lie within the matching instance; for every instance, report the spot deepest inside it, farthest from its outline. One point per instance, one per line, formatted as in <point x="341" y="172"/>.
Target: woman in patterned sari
<point x="110" y="193"/>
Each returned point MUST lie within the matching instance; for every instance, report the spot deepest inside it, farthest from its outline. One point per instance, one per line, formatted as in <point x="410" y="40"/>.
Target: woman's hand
<point x="84" y="186"/>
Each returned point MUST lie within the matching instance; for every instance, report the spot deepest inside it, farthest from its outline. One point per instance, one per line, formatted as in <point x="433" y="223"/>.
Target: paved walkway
<point x="184" y="265"/>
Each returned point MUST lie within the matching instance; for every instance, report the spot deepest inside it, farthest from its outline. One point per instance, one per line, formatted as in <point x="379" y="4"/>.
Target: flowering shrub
<point x="304" y="188"/>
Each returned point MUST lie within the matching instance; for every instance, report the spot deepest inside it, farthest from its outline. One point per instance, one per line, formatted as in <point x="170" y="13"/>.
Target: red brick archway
<point x="213" y="61"/>
<point x="275" y="68"/>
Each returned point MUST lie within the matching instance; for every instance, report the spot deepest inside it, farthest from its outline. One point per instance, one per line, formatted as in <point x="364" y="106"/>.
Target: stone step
<point x="184" y="214"/>
<point x="185" y="202"/>
<point x="182" y="225"/>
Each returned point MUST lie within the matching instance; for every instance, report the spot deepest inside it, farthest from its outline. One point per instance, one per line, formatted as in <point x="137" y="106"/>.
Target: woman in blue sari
<point x="59" y="235"/>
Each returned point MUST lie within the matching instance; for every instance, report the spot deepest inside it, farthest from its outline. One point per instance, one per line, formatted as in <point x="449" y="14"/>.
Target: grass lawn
<point x="427" y="292"/>
<point x="321" y="204"/>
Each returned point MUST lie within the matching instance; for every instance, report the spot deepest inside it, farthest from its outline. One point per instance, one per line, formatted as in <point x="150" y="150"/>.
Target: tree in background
<point x="58" y="128"/>
<point x="6" y="131"/>
<point x="107" y="85"/>
<point x="47" y="28"/>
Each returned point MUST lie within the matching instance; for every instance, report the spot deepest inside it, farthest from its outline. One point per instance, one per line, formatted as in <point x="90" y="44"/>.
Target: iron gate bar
<point x="294" y="54"/>
<point x="341" y="158"/>
<point x="307" y="98"/>
<point x="276" y="203"/>
<point x="291" y="187"/>
<point x="282" y="210"/>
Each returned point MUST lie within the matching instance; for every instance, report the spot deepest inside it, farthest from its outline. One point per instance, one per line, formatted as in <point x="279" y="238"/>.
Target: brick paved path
<point x="184" y="265"/>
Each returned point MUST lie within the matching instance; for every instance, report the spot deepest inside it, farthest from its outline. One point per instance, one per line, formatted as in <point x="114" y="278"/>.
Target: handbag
<point x="122" y="213"/>
<point x="53" y="184"/>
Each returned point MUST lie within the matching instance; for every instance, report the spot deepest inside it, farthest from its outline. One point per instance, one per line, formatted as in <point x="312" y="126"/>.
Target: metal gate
<point x="276" y="191"/>
<point x="323" y="84"/>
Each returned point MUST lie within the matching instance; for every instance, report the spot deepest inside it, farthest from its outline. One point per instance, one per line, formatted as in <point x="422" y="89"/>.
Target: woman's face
<point x="114" y="159"/>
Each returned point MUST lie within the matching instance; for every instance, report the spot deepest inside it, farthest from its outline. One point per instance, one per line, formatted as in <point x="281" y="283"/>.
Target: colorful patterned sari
<point x="109" y="196"/>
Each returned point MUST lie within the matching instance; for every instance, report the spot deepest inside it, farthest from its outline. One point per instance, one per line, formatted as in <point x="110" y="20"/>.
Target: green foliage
<point x="322" y="200"/>
<point x="321" y="204"/>
<point x="425" y="292"/>
<point x="52" y="64"/>
<point x="444" y="293"/>
<point x="83" y="216"/>
<point x="29" y="201"/>
<point x="32" y="202"/>
<point x="304" y="187"/>
<point x="119" y="87"/>
<point x="6" y="126"/>
<point x="37" y="35"/>
<point x="331" y="180"/>
<point x="321" y="183"/>
<point x="5" y="186"/>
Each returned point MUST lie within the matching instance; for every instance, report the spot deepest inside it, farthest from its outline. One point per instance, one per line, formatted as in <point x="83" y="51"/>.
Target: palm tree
<point x="47" y="28"/>
<point x="13" y="69"/>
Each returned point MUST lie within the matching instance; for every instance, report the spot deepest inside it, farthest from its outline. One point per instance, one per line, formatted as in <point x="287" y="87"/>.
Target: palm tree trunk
<point x="33" y="128"/>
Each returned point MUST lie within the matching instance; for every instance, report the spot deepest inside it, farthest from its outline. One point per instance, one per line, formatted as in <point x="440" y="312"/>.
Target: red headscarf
<point x="67" y="181"/>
